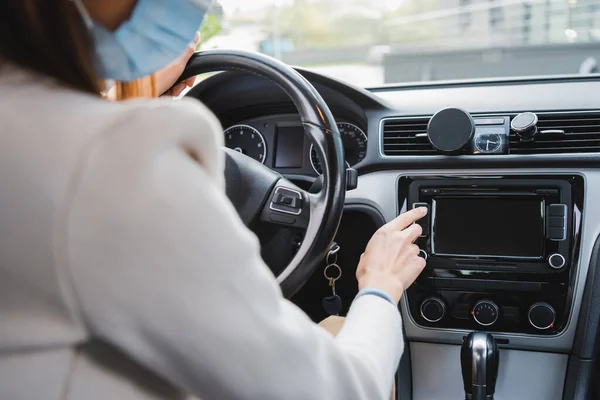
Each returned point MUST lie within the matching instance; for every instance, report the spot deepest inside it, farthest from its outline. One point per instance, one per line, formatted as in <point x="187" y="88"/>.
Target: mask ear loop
<point x="87" y="19"/>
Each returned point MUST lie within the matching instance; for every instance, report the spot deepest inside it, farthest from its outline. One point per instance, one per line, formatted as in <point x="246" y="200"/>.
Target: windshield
<point x="373" y="42"/>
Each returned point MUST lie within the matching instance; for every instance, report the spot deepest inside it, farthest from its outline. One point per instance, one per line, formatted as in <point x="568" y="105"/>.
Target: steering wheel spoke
<point x="287" y="205"/>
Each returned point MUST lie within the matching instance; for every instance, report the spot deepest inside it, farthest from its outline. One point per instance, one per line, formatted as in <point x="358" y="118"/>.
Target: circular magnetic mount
<point x="450" y="129"/>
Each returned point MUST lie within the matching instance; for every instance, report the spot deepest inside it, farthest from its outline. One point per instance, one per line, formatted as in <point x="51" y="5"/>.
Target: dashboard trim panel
<point x="379" y="189"/>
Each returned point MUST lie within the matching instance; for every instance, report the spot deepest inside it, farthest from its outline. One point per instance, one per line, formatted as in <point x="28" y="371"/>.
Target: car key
<point x="332" y="304"/>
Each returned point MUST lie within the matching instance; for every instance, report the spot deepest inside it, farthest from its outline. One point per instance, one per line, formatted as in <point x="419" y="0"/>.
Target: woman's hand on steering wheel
<point x="391" y="261"/>
<point x="166" y="79"/>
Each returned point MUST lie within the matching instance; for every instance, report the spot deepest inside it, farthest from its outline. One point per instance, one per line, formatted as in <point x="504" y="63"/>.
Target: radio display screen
<point x="495" y="227"/>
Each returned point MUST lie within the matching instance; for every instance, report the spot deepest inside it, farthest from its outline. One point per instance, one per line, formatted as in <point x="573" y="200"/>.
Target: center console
<point x="500" y="251"/>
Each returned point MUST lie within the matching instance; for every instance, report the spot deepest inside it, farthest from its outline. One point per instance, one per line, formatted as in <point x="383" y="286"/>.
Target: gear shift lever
<point x="479" y="363"/>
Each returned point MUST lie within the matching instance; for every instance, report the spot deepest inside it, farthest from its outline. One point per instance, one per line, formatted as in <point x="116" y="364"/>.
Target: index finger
<point x="403" y="220"/>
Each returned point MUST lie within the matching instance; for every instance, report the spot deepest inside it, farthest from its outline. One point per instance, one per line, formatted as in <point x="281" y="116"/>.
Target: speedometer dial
<point x="355" y="146"/>
<point x="246" y="140"/>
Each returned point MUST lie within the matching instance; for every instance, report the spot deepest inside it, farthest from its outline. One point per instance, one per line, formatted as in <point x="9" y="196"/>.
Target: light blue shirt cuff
<point x="376" y="292"/>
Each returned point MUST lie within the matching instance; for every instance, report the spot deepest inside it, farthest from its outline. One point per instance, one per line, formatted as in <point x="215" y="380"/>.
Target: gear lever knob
<point x="479" y="359"/>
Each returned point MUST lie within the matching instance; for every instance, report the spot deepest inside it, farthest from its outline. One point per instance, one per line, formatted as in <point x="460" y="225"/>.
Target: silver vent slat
<point x="581" y="134"/>
<point x="406" y="137"/>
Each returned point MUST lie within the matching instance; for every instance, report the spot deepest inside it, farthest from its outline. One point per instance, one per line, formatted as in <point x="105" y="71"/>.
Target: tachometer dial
<point x="246" y="140"/>
<point x="355" y="146"/>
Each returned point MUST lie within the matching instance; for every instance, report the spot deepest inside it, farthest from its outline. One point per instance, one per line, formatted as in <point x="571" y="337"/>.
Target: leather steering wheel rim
<point x="326" y="207"/>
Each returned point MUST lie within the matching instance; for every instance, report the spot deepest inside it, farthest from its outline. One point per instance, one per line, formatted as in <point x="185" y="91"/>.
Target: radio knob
<point x="433" y="309"/>
<point x="557" y="261"/>
<point x="541" y="316"/>
<point x="485" y="313"/>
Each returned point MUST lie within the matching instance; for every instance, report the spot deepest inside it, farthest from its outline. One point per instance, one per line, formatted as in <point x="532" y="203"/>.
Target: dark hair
<point x="48" y="37"/>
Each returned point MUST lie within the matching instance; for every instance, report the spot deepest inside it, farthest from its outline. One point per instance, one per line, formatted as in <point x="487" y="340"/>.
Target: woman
<point x="125" y="272"/>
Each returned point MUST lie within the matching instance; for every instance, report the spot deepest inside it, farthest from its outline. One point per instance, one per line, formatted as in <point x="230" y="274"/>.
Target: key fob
<point x="332" y="304"/>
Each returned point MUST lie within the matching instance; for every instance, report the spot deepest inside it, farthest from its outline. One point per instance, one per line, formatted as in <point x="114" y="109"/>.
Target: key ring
<point x="332" y="279"/>
<point x="333" y="252"/>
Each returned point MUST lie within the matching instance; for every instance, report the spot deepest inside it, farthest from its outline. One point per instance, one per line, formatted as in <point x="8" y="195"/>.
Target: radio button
<point x="557" y="234"/>
<point x="557" y="261"/>
<point x="424" y="222"/>
<point x="433" y="309"/>
<point x="557" y="222"/>
<point x="541" y="316"/>
<point x="557" y="210"/>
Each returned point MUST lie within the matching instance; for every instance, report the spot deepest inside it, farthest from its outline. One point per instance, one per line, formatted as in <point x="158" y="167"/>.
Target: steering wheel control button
<point x="541" y="316"/>
<point x="557" y="261"/>
<point x="433" y="309"/>
<point x="287" y="201"/>
<point x="425" y="221"/>
<point x="485" y="313"/>
<point x="450" y="130"/>
<point x="282" y="219"/>
<point x="525" y="125"/>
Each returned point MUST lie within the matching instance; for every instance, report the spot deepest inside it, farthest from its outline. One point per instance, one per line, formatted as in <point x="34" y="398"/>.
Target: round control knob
<point x="485" y="313"/>
<point x="433" y="309"/>
<point x="450" y="129"/>
<point x="541" y="316"/>
<point x="556" y="261"/>
<point x="525" y="125"/>
<point x="423" y="254"/>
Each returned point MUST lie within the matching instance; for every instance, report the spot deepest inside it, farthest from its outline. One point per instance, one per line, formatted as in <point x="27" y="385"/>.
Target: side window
<point x="464" y="18"/>
<point x="496" y="15"/>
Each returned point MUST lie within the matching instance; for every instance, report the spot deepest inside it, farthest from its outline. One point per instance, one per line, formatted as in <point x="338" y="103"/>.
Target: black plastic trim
<point x="404" y="374"/>
<point x="587" y="336"/>
<point x="586" y="346"/>
<point x="579" y="379"/>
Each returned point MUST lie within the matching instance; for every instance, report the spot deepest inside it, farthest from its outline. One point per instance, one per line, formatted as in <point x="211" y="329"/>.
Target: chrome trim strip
<point x="285" y="211"/>
<point x="442" y="306"/>
<point x="541" y="304"/>
<point x="562" y="261"/>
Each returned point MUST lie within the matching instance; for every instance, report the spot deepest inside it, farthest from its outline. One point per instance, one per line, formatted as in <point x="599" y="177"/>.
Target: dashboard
<point x="516" y="160"/>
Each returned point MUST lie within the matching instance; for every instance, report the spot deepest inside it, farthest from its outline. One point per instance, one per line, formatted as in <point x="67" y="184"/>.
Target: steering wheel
<point x="258" y="192"/>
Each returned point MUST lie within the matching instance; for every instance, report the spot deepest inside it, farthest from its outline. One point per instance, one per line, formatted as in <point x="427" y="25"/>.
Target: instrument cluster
<point x="281" y="144"/>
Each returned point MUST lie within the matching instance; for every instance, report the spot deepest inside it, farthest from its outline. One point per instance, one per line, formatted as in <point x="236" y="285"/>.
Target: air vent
<point x="406" y="137"/>
<point x="577" y="132"/>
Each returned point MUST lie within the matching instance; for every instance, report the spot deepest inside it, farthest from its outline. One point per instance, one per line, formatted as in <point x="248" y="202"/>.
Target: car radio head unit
<point x="508" y="224"/>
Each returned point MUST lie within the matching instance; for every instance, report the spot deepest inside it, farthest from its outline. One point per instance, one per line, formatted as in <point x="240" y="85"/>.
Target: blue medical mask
<point x="157" y="33"/>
